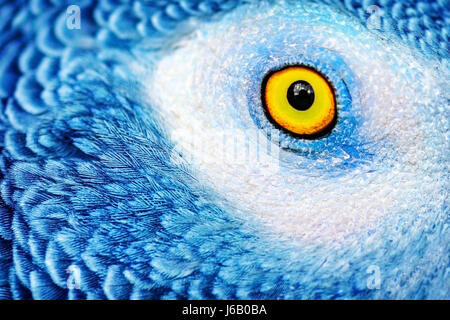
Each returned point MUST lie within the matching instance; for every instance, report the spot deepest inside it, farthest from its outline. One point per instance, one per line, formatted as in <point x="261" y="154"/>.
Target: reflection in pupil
<point x="300" y="95"/>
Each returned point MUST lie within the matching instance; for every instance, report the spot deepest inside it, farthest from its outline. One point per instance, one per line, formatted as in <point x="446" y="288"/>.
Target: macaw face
<point x="225" y="150"/>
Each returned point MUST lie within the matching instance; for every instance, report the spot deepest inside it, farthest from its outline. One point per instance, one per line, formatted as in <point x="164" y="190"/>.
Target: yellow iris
<point x="313" y="93"/>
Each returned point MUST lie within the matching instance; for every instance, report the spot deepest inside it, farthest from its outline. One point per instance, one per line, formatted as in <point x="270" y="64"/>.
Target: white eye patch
<point x="200" y="92"/>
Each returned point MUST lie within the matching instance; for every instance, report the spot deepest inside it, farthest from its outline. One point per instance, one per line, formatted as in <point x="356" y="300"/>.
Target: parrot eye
<point x="300" y="100"/>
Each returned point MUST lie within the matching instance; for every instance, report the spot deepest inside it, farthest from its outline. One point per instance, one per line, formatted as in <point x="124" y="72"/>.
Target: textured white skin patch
<point x="400" y="96"/>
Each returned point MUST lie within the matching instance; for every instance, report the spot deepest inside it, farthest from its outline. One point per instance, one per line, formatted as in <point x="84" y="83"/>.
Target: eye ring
<point x="300" y="100"/>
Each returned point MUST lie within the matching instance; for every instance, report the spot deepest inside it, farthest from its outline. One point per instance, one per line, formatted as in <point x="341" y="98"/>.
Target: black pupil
<point x="300" y="95"/>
